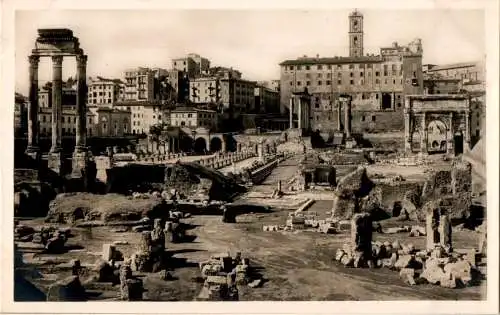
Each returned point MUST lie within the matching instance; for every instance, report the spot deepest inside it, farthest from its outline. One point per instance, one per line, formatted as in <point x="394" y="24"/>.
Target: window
<point x="361" y="74"/>
<point x="64" y="131"/>
<point x="339" y="82"/>
<point x="339" y="74"/>
<point x="329" y="67"/>
<point x="320" y="75"/>
<point x="376" y="96"/>
<point x="291" y="83"/>
<point x="351" y="74"/>
<point x="44" y="118"/>
<point x="299" y="83"/>
<point x="351" y="66"/>
<point x="320" y="83"/>
<point x="308" y="75"/>
<point x="74" y="120"/>
<point x="74" y="131"/>
<point x="291" y="67"/>
<point x="299" y="67"/>
<point x="183" y="123"/>
<point x="362" y="118"/>
<point x="393" y="81"/>
<point x="320" y="67"/>
<point x="328" y="82"/>
<point x="308" y="68"/>
<point x="352" y="82"/>
<point x="62" y="119"/>
<point x="373" y="118"/>
<point x="308" y="83"/>
<point x="328" y="75"/>
<point x="377" y="74"/>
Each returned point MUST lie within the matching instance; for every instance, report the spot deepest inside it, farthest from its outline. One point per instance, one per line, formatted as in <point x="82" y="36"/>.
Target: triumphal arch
<point x="438" y="123"/>
<point x="57" y="44"/>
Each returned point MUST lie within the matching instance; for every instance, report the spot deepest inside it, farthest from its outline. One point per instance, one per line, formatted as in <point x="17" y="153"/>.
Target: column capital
<point x="81" y="60"/>
<point x="57" y="60"/>
<point x="34" y="60"/>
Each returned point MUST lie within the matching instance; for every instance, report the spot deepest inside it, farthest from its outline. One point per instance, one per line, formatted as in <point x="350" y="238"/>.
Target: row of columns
<point x="81" y="128"/>
<point x="302" y="113"/>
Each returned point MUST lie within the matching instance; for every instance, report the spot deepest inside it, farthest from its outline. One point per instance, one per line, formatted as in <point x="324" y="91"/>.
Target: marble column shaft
<point x="33" y="104"/>
<point x="81" y="106"/>
<point x="56" y="103"/>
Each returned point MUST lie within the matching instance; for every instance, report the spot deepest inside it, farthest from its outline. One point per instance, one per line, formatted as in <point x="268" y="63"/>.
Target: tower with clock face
<point x="355" y="34"/>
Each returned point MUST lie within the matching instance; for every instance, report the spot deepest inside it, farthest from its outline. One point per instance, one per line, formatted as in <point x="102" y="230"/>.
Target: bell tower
<point x="355" y="34"/>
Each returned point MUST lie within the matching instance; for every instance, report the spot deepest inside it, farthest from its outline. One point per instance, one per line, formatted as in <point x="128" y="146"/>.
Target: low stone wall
<point x="260" y="174"/>
<point x="226" y="159"/>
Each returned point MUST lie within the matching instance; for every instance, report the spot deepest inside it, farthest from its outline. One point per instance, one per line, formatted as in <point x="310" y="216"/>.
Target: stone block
<point x="108" y="252"/>
<point x="347" y="261"/>
<point x="460" y="270"/>
<point x="340" y="253"/>
<point x="132" y="290"/>
<point x="69" y="289"/>
<point x="55" y="162"/>
<point x="404" y="261"/>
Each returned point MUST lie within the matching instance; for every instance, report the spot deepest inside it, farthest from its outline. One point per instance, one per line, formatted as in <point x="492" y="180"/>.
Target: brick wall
<point x="373" y="121"/>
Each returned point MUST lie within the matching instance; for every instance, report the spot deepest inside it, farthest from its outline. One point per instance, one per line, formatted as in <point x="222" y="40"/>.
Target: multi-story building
<point x="235" y="95"/>
<point x="139" y="84"/>
<point x="144" y="115"/>
<point x="441" y="85"/>
<point x="189" y="117"/>
<point x="465" y="71"/>
<point x="192" y="64"/>
<point x="68" y="95"/>
<point x="376" y="84"/>
<point x="104" y="92"/>
<point x="266" y="100"/>
<point x="272" y="84"/>
<point x="101" y="122"/>
<point x="179" y="82"/>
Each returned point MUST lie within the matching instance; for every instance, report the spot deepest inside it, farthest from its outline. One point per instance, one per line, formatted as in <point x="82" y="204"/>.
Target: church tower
<point x="355" y="34"/>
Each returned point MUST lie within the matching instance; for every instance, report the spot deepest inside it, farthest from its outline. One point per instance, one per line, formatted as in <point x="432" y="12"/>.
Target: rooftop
<point x="192" y="109"/>
<point x="453" y="66"/>
<point x="331" y="60"/>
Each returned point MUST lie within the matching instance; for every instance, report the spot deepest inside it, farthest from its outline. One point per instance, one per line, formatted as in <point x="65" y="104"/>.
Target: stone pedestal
<point x="350" y="143"/>
<point x="79" y="163"/>
<point x="55" y="162"/>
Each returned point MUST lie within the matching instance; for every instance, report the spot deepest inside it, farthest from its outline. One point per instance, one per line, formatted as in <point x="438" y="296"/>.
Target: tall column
<point x="56" y="103"/>
<point x="423" y="134"/>
<point x="81" y="106"/>
<point x="408" y="133"/>
<point x="291" y="112"/>
<point x="300" y="113"/>
<point x="347" y="119"/>
<point x="339" y="115"/>
<point x="32" y="148"/>
<point x="467" y="131"/>
<point x="450" y="135"/>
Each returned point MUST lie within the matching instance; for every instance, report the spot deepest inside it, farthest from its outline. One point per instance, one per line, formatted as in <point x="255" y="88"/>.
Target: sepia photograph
<point x="196" y="154"/>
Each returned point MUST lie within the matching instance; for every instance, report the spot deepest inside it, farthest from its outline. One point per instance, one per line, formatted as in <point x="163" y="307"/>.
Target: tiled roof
<point x="453" y="66"/>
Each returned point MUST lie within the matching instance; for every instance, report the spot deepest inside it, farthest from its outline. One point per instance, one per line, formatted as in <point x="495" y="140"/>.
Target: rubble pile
<point x="307" y="220"/>
<point x="222" y="273"/>
<point x="437" y="264"/>
<point x="50" y="238"/>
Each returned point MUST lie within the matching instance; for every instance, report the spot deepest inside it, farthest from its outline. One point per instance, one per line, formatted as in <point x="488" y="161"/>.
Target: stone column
<point x="408" y="140"/>
<point x="291" y="112"/>
<point x="33" y="149"/>
<point x="423" y="135"/>
<point x="445" y="232"/>
<point x="56" y="103"/>
<point x="347" y="119"/>
<point x="467" y="131"/>
<point x="300" y="119"/>
<point x="81" y="106"/>
<point x="361" y="238"/>
<point x="339" y="115"/>
<point x="80" y="155"/>
<point x="55" y="155"/>
<point x="450" y="136"/>
<point x="432" y="218"/>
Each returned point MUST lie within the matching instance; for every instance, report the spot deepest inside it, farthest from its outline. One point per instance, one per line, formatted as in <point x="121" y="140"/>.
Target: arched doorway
<point x="215" y="144"/>
<point x="436" y="137"/>
<point x="200" y="145"/>
<point x="458" y="143"/>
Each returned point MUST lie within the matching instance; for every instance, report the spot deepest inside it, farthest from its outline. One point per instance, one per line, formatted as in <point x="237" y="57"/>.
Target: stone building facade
<point x="192" y="64"/>
<point x="104" y="91"/>
<point x="377" y="84"/>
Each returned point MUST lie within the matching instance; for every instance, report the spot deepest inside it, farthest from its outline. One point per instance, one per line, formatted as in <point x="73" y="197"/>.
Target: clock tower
<point x="355" y="34"/>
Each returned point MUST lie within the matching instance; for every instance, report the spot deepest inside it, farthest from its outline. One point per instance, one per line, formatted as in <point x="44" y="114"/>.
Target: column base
<point x="79" y="163"/>
<point x="33" y="152"/>
<point x="350" y="143"/>
<point x="55" y="162"/>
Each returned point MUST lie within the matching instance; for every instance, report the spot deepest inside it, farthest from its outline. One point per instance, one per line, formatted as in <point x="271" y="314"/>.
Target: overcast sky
<point x="252" y="41"/>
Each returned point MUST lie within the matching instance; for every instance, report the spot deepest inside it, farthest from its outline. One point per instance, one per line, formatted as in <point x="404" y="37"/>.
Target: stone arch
<point x="436" y="136"/>
<point x="216" y="144"/>
<point x="200" y="145"/>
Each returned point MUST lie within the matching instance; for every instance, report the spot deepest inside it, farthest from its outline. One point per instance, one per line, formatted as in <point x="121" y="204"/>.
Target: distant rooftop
<point x="453" y="66"/>
<point x="331" y="60"/>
